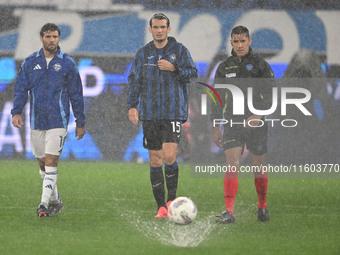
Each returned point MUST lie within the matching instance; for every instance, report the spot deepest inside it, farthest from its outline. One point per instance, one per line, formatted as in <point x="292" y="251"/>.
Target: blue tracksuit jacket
<point x="51" y="91"/>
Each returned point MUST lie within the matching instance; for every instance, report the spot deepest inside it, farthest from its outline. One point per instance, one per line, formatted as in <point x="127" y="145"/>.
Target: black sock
<point x="157" y="183"/>
<point x="171" y="177"/>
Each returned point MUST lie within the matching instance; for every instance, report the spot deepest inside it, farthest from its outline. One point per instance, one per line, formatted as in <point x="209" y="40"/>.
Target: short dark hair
<point x="49" y="27"/>
<point x="159" y="16"/>
<point x="240" y="30"/>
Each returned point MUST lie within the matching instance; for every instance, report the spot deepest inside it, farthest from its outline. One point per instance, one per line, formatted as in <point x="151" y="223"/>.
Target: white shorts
<point x="48" y="141"/>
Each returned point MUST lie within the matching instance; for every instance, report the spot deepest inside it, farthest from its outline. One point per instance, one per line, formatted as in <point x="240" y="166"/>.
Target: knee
<point x="233" y="160"/>
<point x="41" y="162"/>
<point x="155" y="160"/>
<point x="51" y="160"/>
<point x="257" y="160"/>
<point x="169" y="157"/>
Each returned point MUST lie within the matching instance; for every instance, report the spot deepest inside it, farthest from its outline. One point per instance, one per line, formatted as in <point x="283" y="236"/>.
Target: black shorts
<point x="157" y="132"/>
<point x="254" y="137"/>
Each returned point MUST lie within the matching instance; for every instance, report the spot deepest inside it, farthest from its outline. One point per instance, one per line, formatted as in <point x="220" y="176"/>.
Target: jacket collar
<point x="59" y="53"/>
<point x="248" y="54"/>
<point x="171" y="41"/>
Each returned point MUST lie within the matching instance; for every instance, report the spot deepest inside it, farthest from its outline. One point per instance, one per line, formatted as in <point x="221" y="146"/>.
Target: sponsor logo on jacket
<point x="230" y="75"/>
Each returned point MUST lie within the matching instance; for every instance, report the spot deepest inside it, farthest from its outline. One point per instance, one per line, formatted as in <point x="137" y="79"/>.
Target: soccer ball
<point x="182" y="211"/>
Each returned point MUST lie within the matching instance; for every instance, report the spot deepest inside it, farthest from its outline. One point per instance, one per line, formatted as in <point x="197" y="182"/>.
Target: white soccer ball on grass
<point x="182" y="211"/>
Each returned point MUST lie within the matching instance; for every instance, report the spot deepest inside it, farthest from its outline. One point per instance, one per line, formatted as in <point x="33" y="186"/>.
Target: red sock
<point x="261" y="183"/>
<point x="230" y="191"/>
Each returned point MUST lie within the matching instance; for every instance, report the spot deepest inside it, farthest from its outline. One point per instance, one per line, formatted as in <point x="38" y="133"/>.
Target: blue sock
<point x="171" y="177"/>
<point x="157" y="183"/>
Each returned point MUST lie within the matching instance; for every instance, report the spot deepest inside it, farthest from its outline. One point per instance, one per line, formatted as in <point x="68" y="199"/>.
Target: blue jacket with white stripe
<point x="161" y="95"/>
<point x="51" y="91"/>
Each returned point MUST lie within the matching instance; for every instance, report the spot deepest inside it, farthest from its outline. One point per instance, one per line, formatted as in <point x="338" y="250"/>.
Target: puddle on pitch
<point x="171" y="234"/>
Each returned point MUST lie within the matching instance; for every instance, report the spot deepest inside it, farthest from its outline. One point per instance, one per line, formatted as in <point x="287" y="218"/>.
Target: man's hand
<point x="217" y="137"/>
<point x="80" y="132"/>
<point x="133" y="116"/>
<point x="165" y="65"/>
<point x="17" y="121"/>
<point x="255" y="121"/>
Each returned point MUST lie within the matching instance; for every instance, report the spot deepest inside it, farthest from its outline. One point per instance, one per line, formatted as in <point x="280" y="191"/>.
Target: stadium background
<point x="103" y="37"/>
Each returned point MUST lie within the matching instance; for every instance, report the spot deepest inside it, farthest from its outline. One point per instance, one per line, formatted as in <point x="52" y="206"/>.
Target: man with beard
<point x="52" y="80"/>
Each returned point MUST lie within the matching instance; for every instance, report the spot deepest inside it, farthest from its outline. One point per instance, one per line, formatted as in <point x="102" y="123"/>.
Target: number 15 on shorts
<point x="176" y="126"/>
